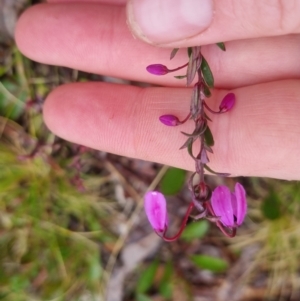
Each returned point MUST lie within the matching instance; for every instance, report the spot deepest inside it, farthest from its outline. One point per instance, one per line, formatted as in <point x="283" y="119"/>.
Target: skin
<point x="258" y="137"/>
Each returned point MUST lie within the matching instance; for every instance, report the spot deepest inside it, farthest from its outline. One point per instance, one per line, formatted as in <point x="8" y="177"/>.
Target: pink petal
<point x="222" y="206"/>
<point x="241" y="203"/>
<point x="157" y="69"/>
<point x="227" y="102"/>
<point x="156" y="210"/>
<point x="169" y="120"/>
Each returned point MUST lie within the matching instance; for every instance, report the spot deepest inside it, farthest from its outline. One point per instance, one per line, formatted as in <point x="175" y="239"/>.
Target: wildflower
<point x="157" y="69"/>
<point x="156" y="210"/>
<point x="169" y="120"/>
<point x="222" y="207"/>
<point x="227" y="103"/>
<point x="229" y="207"/>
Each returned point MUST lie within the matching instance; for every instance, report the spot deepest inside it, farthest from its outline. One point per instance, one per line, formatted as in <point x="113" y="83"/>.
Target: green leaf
<point x="145" y="280"/>
<point x="180" y="76"/>
<point x="221" y="45"/>
<point x="165" y="286"/>
<point x="190" y="149"/>
<point x="271" y="206"/>
<point x="197" y="132"/>
<point x="195" y="230"/>
<point x="209" y="139"/>
<point x="95" y="269"/>
<point x="12" y="99"/>
<point x="186" y="143"/>
<point x="210" y="263"/>
<point x="191" y="71"/>
<point x="205" y="115"/>
<point x="142" y="297"/>
<point x="206" y="91"/>
<point x="207" y="74"/>
<point x="221" y="174"/>
<point x="173" y="53"/>
<point x="173" y="181"/>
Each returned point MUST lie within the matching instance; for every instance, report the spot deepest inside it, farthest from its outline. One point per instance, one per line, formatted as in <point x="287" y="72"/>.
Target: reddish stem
<point x="183" y="224"/>
<point x="210" y="110"/>
<point x="172" y="70"/>
<point x="220" y="225"/>
<point x="186" y="118"/>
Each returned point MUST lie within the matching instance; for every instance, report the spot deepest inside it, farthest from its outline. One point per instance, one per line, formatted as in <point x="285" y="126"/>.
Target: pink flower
<point x="231" y="207"/>
<point x="156" y="210"/>
<point x="157" y="69"/>
<point x="169" y="120"/>
<point x="227" y="103"/>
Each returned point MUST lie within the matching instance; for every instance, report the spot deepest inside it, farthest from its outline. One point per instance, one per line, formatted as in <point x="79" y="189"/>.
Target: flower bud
<point x="156" y="210"/>
<point x="157" y="69"/>
<point x="169" y="120"/>
<point x="202" y="192"/>
<point x="230" y="207"/>
<point x="227" y="103"/>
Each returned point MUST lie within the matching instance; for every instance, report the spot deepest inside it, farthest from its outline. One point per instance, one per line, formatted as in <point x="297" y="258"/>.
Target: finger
<point x="96" y="39"/>
<point x="259" y="137"/>
<point x="182" y="23"/>
<point x="119" y="2"/>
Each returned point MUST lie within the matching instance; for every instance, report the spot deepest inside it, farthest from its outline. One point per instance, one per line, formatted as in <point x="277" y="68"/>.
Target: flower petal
<point x="156" y="210"/>
<point x="241" y="203"/>
<point x="227" y="102"/>
<point x="222" y="206"/>
<point x="157" y="69"/>
<point x="169" y="120"/>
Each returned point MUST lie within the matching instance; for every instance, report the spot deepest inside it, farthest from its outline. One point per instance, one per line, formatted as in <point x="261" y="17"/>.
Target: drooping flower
<point x="157" y="69"/>
<point x="227" y="103"/>
<point x="156" y="210"/>
<point x="230" y="207"/>
<point x="169" y="120"/>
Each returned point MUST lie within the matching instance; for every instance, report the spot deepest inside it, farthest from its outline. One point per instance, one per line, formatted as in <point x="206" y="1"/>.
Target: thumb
<point x="165" y="21"/>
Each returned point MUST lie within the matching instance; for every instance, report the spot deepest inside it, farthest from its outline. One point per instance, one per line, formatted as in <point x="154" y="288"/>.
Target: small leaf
<point x="173" y="181"/>
<point x="189" y="51"/>
<point x="221" y="174"/>
<point x="196" y="51"/>
<point x="173" y="53"/>
<point x="190" y="149"/>
<point x="208" y="148"/>
<point x="197" y="132"/>
<point x="207" y="74"/>
<point x="186" y="143"/>
<point x="206" y="91"/>
<point x="191" y="71"/>
<point x="165" y="286"/>
<point x="95" y="269"/>
<point x="221" y="45"/>
<point x="195" y="230"/>
<point x="12" y="103"/>
<point x="146" y="278"/>
<point x="189" y="135"/>
<point x="210" y="263"/>
<point x="142" y="297"/>
<point x="271" y="206"/>
<point x="209" y="140"/>
<point x="180" y="76"/>
<point x="205" y="115"/>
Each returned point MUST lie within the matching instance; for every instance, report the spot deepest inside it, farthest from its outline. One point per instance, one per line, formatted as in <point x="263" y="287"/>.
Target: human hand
<point x="259" y="137"/>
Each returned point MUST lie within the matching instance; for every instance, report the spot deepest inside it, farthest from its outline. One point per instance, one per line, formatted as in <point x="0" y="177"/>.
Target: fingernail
<point x="166" y="21"/>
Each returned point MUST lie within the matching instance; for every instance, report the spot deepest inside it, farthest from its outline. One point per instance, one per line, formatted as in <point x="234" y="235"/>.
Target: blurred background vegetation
<point x="72" y="226"/>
